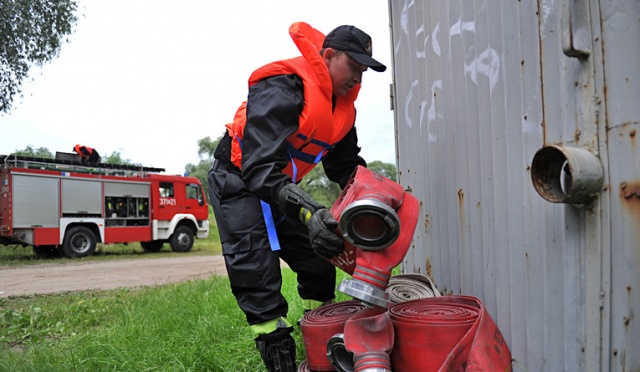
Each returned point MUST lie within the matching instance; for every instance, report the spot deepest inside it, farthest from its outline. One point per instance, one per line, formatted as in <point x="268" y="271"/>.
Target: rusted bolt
<point x="632" y="133"/>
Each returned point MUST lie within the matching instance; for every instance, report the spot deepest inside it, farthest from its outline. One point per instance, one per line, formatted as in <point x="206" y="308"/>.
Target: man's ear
<point x="328" y="55"/>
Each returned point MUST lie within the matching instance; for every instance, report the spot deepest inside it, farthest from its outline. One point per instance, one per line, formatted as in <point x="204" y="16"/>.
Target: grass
<point x="193" y="326"/>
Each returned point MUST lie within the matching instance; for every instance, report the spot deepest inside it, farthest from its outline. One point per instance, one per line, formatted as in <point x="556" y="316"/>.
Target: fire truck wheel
<point x="182" y="239"/>
<point x="46" y="251"/>
<point x="152" y="246"/>
<point x="79" y="241"/>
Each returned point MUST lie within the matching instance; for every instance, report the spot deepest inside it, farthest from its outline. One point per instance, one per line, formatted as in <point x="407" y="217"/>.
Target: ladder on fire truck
<point x="66" y="162"/>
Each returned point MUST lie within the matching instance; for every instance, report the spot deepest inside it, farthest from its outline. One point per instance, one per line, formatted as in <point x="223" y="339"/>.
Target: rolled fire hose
<point x="320" y="325"/>
<point x="448" y="333"/>
<point x="369" y="336"/>
<point x="406" y="287"/>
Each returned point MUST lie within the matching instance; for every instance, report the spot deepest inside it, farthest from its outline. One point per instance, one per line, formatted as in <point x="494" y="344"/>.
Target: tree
<point x="206" y="148"/>
<point x="41" y="152"/>
<point x="31" y="32"/>
<point x="317" y="184"/>
<point x="386" y="169"/>
<point x="115" y="158"/>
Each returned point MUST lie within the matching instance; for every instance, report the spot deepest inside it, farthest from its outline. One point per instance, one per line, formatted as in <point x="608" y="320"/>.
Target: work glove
<point x="295" y="202"/>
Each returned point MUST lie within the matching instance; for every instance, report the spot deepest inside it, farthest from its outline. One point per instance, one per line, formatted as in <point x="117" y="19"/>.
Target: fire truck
<point x="63" y="205"/>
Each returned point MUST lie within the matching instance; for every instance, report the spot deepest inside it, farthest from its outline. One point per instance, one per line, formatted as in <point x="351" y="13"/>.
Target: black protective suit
<point x="273" y="107"/>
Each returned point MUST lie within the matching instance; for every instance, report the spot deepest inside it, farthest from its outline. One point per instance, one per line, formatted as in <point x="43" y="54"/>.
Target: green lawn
<point x="192" y="326"/>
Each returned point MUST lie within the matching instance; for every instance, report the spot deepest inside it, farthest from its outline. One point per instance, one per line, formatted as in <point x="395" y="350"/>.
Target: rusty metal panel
<point x="621" y="53"/>
<point x="479" y="88"/>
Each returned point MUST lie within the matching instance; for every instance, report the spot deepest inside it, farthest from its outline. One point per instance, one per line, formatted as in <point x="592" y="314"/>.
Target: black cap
<point x="356" y="43"/>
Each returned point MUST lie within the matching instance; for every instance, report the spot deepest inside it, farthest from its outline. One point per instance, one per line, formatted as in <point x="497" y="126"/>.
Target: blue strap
<point x="271" y="226"/>
<point x="314" y="141"/>
<point x="318" y="157"/>
<point x="294" y="169"/>
<point x="306" y="157"/>
<point x="239" y="140"/>
<point x="266" y="208"/>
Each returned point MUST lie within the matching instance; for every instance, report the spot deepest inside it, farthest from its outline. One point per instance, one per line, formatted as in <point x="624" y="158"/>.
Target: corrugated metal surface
<point x="621" y="51"/>
<point x="480" y="86"/>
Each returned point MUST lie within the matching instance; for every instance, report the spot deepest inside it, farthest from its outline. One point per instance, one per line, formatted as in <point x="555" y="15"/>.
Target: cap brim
<point x="364" y="59"/>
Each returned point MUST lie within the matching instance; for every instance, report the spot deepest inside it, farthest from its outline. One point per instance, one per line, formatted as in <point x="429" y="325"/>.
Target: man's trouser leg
<point x="253" y="269"/>
<point x="316" y="276"/>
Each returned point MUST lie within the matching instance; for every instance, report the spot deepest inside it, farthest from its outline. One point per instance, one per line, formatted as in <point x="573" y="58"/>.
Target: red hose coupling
<point x="369" y="335"/>
<point x="373" y="267"/>
<point x="366" y="210"/>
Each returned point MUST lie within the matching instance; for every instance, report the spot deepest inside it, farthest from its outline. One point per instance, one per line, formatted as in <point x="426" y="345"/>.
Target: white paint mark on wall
<point x="407" y="104"/>
<point x="486" y="63"/>
<point x="421" y="54"/>
<point x="404" y="16"/>
<point x="432" y="115"/>
<point x="546" y="8"/>
<point x="459" y="27"/>
<point x="434" y="38"/>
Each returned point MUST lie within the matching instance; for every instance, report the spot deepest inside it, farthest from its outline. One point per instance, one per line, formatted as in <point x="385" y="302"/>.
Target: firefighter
<point x="143" y="208"/>
<point x="110" y="207"/>
<point x="89" y="155"/>
<point x="299" y="111"/>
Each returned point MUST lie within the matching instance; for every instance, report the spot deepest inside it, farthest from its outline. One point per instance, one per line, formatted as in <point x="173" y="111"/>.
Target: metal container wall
<point x="479" y="88"/>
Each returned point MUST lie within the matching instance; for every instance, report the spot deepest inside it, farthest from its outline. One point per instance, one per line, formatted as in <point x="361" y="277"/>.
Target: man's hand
<point x="296" y="203"/>
<point x="322" y="236"/>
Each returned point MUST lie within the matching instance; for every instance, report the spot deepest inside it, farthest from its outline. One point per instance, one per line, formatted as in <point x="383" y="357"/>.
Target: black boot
<point x="278" y="350"/>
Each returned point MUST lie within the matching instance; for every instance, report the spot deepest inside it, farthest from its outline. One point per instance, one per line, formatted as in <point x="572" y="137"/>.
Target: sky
<point x="149" y="78"/>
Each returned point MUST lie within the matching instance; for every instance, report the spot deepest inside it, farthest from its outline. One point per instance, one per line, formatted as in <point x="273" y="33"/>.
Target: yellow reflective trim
<point x="269" y="326"/>
<point x="304" y="215"/>
<point x="308" y="305"/>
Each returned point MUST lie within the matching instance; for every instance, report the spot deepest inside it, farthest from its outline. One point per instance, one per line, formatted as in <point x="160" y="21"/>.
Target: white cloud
<point x="149" y="78"/>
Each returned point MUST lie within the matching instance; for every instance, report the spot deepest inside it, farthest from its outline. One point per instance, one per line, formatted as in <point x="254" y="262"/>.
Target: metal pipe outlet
<point x="566" y="174"/>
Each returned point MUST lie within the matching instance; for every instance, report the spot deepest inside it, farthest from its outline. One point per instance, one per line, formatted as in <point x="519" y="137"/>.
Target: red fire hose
<point x="369" y="336"/>
<point x="450" y="333"/>
<point x="319" y="325"/>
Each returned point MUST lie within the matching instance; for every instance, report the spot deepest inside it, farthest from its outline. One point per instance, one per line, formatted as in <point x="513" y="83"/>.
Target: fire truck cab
<point x="58" y="205"/>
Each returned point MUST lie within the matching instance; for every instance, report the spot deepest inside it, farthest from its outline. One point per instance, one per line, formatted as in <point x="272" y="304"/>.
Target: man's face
<point x="345" y="72"/>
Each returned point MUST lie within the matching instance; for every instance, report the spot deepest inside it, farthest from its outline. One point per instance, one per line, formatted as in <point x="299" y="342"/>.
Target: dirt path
<point x="52" y="278"/>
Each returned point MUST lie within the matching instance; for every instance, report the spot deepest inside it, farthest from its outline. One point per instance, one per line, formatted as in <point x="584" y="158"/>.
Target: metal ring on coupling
<point x="370" y="224"/>
<point x="338" y="355"/>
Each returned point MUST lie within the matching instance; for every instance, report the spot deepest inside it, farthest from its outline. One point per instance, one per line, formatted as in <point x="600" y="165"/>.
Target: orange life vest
<point x="320" y="128"/>
<point x="78" y="149"/>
